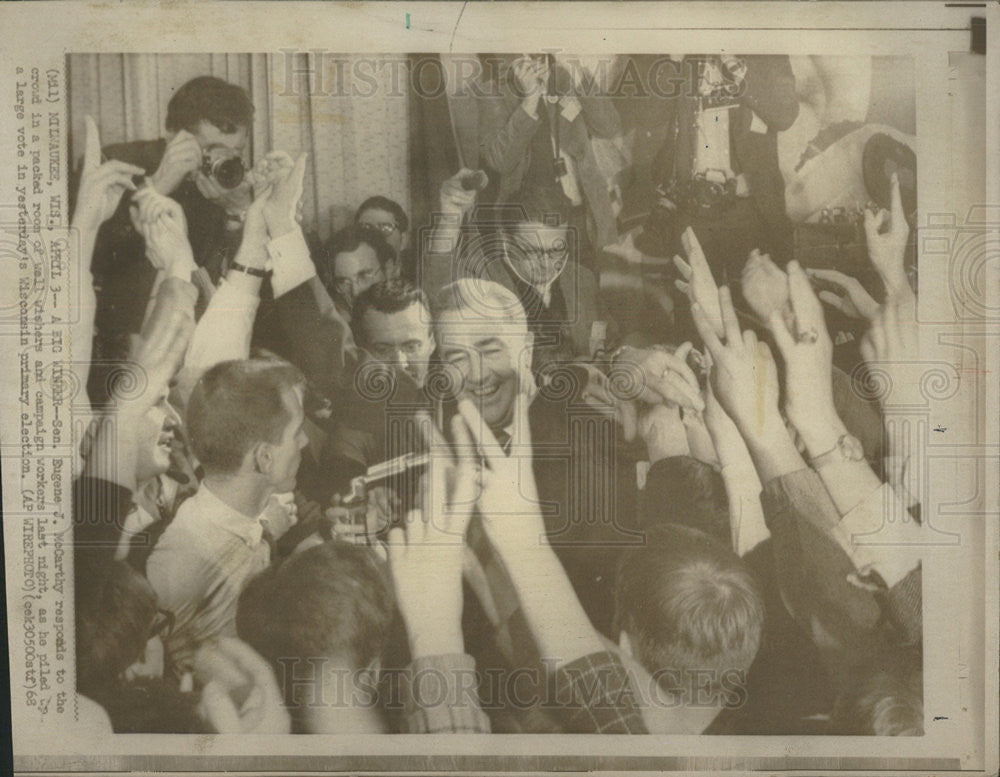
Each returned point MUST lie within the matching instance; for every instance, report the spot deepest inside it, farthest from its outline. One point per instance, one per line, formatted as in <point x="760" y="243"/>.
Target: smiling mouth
<point x="487" y="391"/>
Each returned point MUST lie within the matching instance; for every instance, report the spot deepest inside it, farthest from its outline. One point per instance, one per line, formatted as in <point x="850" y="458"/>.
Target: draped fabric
<point x="357" y="146"/>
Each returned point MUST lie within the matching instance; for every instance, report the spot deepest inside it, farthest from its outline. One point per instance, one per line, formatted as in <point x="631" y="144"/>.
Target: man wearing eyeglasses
<point x="527" y="245"/>
<point x="356" y="259"/>
<point x="392" y="322"/>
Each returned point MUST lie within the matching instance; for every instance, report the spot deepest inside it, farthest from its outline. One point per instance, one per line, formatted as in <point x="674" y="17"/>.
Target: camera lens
<point x="228" y="173"/>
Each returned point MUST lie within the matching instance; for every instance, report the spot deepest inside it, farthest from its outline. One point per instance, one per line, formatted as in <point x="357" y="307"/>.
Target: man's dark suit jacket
<point x="586" y="480"/>
<point x="123" y="275"/>
<point x="769" y="92"/>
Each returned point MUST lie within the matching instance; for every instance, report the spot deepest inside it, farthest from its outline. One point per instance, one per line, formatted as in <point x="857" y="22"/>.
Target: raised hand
<point x="454" y="198"/>
<point x="285" y="180"/>
<point x="657" y="376"/>
<point x="101" y="185"/>
<point x="160" y="220"/>
<point x="844" y="293"/>
<point x="808" y="354"/>
<point x="240" y="693"/>
<point x="426" y="556"/>
<point x="744" y="377"/>
<point x="892" y="344"/>
<point x="531" y="74"/>
<point x="508" y="499"/>
<point x="886" y="233"/>
<point x="698" y="283"/>
<point x="663" y="431"/>
<point x="764" y="284"/>
<point x="156" y="357"/>
<point x="181" y="158"/>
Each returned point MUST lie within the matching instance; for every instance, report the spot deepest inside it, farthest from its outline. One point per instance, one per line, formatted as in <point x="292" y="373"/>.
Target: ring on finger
<point x="808" y="335"/>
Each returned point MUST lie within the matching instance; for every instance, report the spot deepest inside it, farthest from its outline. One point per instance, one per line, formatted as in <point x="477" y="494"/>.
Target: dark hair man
<point x="690" y="613"/>
<point x="208" y="122"/>
<point x="386" y="217"/>
<point x="392" y="321"/>
<point x="355" y="259"/>
<point x="245" y="424"/>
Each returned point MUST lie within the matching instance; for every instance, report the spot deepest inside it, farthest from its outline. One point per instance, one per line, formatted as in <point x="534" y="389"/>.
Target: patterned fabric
<point x="596" y="692"/>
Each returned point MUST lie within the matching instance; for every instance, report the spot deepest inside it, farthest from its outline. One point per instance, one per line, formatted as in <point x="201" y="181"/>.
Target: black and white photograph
<point x="545" y="390"/>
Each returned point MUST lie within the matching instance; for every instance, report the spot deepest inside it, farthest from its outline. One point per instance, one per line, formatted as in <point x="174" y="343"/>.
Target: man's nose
<point x="475" y="374"/>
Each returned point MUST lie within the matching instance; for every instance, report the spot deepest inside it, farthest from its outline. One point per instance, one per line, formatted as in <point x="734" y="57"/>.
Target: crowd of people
<point x="380" y="484"/>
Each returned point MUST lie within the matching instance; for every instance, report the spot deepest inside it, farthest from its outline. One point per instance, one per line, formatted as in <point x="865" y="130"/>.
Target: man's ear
<point x="529" y="346"/>
<point x="625" y="644"/>
<point x="262" y="458"/>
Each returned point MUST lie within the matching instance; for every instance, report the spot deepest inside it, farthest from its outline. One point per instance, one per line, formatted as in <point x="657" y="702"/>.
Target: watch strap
<point x="848" y="448"/>
<point x="256" y="272"/>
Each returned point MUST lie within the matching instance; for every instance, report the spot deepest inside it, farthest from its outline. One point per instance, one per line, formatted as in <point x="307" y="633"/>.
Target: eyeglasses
<point x="557" y="252"/>
<point x="385" y="227"/>
<point x="385" y="351"/>
<point x="162" y="625"/>
<point x="364" y="278"/>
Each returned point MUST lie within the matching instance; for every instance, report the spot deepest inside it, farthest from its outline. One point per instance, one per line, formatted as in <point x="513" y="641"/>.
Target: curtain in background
<point x="357" y="145"/>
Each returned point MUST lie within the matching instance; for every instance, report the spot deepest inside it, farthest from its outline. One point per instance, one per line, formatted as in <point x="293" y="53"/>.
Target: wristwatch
<point x="848" y="448"/>
<point x="256" y="272"/>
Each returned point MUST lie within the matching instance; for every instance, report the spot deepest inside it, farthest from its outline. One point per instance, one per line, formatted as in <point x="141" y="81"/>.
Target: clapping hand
<point x="101" y="185"/>
<point x="160" y="220"/>
<point x="426" y="555"/>
<point x="281" y="179"/>
<point x="508" y="498"/>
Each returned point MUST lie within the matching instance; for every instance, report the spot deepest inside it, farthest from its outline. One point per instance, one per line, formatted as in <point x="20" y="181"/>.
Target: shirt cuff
<point x="290" y="263"/>
<point x="880" y="534"/>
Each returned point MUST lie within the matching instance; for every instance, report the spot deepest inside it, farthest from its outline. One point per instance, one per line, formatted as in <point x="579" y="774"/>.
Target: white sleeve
<point x="290" y="263"/>
<point x="224" y="330"/>
<point x="879" y="534"/>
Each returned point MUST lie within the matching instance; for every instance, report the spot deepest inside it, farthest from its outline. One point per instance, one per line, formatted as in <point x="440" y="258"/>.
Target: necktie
<point x="503" y="438"/>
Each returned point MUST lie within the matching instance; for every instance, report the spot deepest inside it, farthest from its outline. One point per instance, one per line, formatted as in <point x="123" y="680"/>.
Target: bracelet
<point x="256" y="272"/>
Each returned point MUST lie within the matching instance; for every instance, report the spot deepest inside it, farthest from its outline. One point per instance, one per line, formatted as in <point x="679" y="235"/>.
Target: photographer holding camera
<point x="200" y="164"/>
